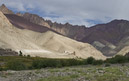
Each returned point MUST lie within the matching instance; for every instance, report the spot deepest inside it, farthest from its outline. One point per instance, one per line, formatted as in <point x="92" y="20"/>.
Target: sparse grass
<point x="99" y="73"/>
<point x="65" y="78"/>
<point x="37" y="71"/>
<point x="54" y="70"/>
<point x="60" y="78"/>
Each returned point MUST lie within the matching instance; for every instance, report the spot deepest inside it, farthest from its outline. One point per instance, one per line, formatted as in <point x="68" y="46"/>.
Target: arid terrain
<point x="116" y="72"/>
<point x="35" y="49"/>
<point x="47" y="43"/>
<point x="109" y="38"/>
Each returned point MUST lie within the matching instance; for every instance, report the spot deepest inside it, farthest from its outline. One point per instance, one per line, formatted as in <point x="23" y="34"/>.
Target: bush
<point x="73" y="62"/>
<point x="20" y="53"/>
<point x="51" y="63"/>
<point x="117" y="59"/>
<point x="90" y="60"/>
<point x="37" y="64"/>
<point x="55" y="63"/>
<point x="23" y="63"/>
<point x="16" y="65"/>
<point x="28" y="55"/>
<point x="1" y="69"/>
<point x="97" y="62"/>
<point x="46" y="63"/>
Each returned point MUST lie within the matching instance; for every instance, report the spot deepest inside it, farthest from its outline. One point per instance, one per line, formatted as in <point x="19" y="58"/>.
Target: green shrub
<point x="84" y="62"/>
<point x="51" y="63"/>
<point x="90" y="60"/>
<point x="117" y="59"/>
<point x="46" y="63"/>
<point x="73" y="62"/>
<point x="20" y="53"/>
<point x="97" y="62"/>
<point x="28" y="55"/>
<point x="16" y="65"/>
<point x="1" y="69"/>
<point x="37" y="64"/>
<point x="23" y="63"/>
<point x="64" y="62"/>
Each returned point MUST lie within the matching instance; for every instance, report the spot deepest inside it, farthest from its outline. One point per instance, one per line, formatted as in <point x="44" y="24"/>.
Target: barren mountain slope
<point x="109" y="34"/>
<point x="47" y="44"/>
<point x="11" y="36"/>
<point x="123" y="51"/>
<point x="123" y="46"/>
<point x="64" y="45"/>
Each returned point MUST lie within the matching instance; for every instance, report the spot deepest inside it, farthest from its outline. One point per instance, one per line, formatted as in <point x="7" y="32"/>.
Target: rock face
<point x="46" y="44"/>
<point x="112" y="32"/>
<point x="35" y="19"/>
<point x="75" y="32"/>
<point x="5" y="10"/>
<point x="72" y="31"/>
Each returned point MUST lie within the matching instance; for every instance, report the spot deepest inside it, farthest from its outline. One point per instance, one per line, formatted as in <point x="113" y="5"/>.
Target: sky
<point x="76" y="12"/>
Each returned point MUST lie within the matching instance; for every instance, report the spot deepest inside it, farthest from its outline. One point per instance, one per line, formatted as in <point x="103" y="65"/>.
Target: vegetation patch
<point x="26" y="62"/>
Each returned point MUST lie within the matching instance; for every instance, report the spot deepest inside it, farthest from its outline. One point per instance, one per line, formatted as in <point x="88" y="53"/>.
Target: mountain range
<point x="19" y="34"/>
<point x="111" y="38"/>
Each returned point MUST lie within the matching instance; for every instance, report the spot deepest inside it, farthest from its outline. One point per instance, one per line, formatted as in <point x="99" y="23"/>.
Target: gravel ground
<point x="77" y="73"/>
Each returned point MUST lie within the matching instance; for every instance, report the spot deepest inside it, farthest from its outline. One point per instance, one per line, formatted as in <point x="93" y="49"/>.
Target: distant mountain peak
<point x="3" y="5"/>
<point x="118" y="21"/>
<point x="5" y="10"/>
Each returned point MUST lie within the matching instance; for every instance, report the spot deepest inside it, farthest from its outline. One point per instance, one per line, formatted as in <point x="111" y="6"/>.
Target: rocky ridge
<point x="5" y="10"/>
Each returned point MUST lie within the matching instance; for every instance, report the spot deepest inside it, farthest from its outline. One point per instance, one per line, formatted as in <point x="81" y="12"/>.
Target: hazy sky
<point x="78" y="12"/>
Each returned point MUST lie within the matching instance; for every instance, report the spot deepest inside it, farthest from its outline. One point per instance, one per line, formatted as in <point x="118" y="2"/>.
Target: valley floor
<point x="77" y="73"/>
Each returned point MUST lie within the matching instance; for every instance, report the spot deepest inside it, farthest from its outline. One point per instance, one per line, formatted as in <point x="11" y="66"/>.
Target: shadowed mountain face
<point x="112" y="32"/>
<point x="22" y="23"/>
<point x="111" y="35"/>
<point x="108" y="38"/>
<point x="75" y="32"/>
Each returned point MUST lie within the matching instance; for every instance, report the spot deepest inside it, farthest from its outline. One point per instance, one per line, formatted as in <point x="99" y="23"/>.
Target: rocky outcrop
<point x="35" y="19"/>
<point x="19" y="14"/>
<point x="72" y="31"/>
<point x="7" y="52"/>
<point x="5" y="10"/>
